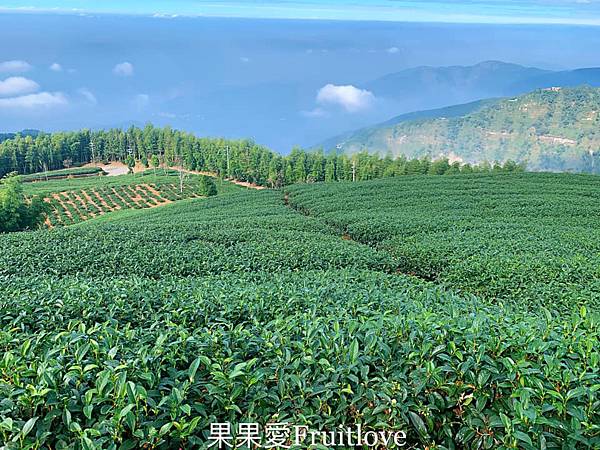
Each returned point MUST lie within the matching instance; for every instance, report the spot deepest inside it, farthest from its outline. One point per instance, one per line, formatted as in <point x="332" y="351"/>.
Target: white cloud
<point x="165" y="16"/>
<point x="393" y="50"/>
<point x="141" y="101"/>
<point x="42" y="100"/>
<point x="244" y="59"/>
<point x="315" y="113"/>
<point x="15" y="86"/>
<point x="123" y="69"/>
<point x="351" y="98"/>
<point x="14" y="66"/>
<point x="56" y="67"/>
<point x="88" y="95"/>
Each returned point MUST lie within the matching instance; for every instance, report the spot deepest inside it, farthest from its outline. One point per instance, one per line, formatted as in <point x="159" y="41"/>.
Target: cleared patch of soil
<point x="60" y="200"/>
<point x="112" y="169"/>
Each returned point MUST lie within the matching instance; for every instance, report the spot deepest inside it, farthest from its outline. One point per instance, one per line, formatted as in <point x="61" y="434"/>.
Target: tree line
<point x="242" y="160"/>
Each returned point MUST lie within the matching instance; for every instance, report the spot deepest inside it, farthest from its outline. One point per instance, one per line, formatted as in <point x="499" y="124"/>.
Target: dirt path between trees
<point x="117" y="168"/>
<point x="214" y="175"/>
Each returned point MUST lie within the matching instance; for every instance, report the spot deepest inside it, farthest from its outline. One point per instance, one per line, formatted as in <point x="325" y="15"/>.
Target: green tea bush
<point x="138" y="361"/>
<point x="141" y="328"/>
<point x="531" y="239"/>
<point x="54" y="174"/>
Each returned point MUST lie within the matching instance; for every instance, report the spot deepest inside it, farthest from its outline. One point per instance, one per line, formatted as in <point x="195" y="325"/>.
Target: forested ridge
<point x="554" y="129"/>
<point x="239" y="159"/>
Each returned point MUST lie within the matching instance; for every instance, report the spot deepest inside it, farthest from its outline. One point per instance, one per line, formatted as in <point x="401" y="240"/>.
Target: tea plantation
<point x="532" y="240"/>
<point x="461" y="309"/>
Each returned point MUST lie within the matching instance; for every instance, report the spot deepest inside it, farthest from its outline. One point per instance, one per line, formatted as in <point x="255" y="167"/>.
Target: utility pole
<point x="228" y="163"/>
<point x="130" y="153"/>
<point x="93" y="148"/>
<point x="181" y="177"/>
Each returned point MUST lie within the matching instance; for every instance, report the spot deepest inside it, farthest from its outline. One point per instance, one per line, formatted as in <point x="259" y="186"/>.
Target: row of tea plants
<point x="141" y="328"/>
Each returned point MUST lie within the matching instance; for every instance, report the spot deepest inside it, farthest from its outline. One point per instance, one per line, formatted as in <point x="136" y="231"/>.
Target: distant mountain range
<point x="553" y="128"/>
<point x="426" y="87"/>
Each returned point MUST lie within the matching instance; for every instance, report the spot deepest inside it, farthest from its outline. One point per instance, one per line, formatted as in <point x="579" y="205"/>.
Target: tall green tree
<point x="155" y="162"/>
<point x="243" y="160"/>
<point x="130" y="161"/>
<point x="16" y="212"/>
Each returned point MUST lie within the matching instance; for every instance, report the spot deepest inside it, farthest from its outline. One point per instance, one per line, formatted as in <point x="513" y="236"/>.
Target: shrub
<point x="16" y="213"/>
<point x="208" y="187"/>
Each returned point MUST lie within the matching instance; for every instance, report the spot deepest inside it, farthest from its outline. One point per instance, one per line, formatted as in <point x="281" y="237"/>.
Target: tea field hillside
<point x="529" y="239"/>
<point x="462" y="310"/>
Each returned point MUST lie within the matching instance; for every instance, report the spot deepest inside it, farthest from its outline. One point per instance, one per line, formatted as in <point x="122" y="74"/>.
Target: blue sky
<point x="581" y="12"/>
<point x="111" y="63"/>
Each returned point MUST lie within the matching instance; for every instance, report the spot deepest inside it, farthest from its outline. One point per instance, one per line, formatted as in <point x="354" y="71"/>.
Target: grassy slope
<point x="63" y="173"/>
<point x="288" y="318"/>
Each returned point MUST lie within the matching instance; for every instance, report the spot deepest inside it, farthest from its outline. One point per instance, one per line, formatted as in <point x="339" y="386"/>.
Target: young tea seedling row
<point x="71" y="207"/>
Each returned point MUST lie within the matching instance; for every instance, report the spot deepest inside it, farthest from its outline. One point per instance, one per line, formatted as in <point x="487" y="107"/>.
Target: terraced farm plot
<point x="72" y="201"/>
<point x="69" y="207"/>
<point x="141" y="328"/>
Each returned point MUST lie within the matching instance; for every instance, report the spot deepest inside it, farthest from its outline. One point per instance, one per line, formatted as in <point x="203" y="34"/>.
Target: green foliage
<point x="244" y="232"/>
<point x="16" y="213"/>
<point x="241" y="160"/>
<point x="439" y="167"/>
<point x="162" y="177"/>
<point x="208" y="188"/>
<point x="72" y="200"/>
<point x="549" y="129"/>
<point x="64" y="173"/>
<point x="140" y="329"/>
<point x="130" y="161"/>
<point x="138" y="361"/>
<point x="7" y="136"/>
<point x="525" y="238"/>
<point x="155" y="162"/>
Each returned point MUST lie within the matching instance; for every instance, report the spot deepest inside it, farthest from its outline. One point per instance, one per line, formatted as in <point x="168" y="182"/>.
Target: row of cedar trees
<point x="239" y="159"/>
